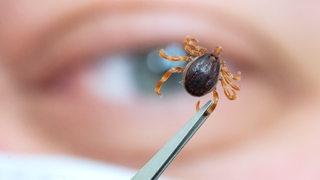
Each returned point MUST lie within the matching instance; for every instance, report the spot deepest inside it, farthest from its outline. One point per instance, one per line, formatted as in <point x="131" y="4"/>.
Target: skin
<point x="269" y="132"/>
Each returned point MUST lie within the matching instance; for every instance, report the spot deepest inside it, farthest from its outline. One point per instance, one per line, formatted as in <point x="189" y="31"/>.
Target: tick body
<point x="202" y="73"/>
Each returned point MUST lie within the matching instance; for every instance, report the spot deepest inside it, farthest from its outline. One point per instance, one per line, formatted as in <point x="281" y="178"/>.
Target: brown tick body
<point x="201" y="74"/>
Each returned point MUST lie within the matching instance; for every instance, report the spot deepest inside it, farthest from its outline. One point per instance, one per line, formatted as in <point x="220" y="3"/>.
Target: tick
<point x="202" y="73"/>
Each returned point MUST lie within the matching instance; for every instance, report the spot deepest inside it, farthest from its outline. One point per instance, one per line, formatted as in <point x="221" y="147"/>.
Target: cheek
<point x="91" y="126"/>
<point x="257" y="102"/>
<point x="138" y="127"/>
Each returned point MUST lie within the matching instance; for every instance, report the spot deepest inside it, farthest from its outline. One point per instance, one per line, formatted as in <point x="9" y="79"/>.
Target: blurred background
<point x="77" y="85"/>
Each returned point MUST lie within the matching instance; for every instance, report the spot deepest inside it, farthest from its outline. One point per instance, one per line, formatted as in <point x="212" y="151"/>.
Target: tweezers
<point x="161" y="160"/>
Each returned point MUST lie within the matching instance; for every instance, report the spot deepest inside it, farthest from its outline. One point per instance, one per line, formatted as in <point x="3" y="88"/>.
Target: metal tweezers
<point x="160" y="161"/>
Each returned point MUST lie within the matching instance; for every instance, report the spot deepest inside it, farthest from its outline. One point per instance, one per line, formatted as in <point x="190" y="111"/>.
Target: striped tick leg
<point x="165" y="77"/>
<point x="191" y="46"/>
<point x="226" y="80"/>
<point x="226" y="73"/>
<point x="174" y="58"/>
<point x="213" y="106"/>
<point x="226" y="91"/>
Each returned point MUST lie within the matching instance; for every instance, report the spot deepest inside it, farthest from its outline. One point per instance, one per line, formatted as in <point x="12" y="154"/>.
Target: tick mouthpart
<point x="217" y="51"/>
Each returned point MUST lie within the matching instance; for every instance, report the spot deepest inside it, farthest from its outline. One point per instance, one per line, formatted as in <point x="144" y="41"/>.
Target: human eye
<point x="113" y="58"/>
<point x="134" y="74"/>
<point x="119" y="69"/>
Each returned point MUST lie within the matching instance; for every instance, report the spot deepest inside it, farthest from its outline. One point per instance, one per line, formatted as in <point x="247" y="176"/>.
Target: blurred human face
<point x="49" y="49"/>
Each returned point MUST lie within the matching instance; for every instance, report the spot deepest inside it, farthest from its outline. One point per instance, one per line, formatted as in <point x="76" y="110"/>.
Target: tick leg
<point x="228" y="81"/>
<point x="226" y="91"/>
<point x="198" y="106"/>
<point x="192" y="52"/>
<point x="225" y="72"/>
<point x="191" y="46"/>
<point x="165" y="77"/>
<point x="213" y="106"/>
<point x="215" y="102"/>
<point x="230" y="75"/>
<point x="174" y="58"/>
<point x="191" y="41"/>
